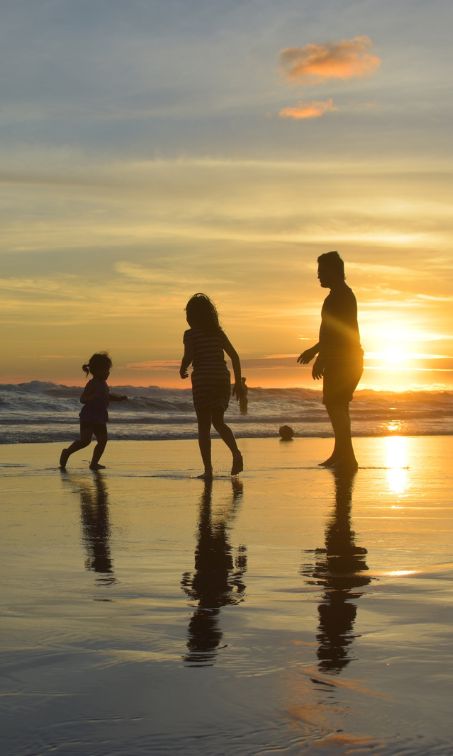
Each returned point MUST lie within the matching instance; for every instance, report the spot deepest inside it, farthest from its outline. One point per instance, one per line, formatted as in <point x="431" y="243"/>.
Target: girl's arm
<point x="238" y="388"/>
<point x="186" y="358"/>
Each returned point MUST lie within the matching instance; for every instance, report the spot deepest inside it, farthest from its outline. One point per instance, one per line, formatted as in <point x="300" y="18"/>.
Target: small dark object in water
<point x="286" y="433"/>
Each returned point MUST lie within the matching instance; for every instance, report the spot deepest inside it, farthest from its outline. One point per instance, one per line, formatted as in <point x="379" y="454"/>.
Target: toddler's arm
<point x="88" y="393"/>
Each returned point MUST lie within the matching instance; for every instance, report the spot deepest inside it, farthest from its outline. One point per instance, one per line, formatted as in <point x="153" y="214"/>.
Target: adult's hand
<point x="307" y="356"/>
<point x="318" y="369"/>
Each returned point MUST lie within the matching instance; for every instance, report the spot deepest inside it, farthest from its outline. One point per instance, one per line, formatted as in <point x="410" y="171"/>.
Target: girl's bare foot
<point x="207" y="475"/>
<point x="97" y="466"/>
<point x="238" y="463"/>
<point x="64" y="456"/>
<point x="330" y="462"/>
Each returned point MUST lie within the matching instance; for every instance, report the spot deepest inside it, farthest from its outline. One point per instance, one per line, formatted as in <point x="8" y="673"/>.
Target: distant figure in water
<point x="95" y="398"/>
<point x="204" y="345"/>
<point x="340" y="357"/>
<point x="243" y="401"/>
<point x="286" y="433"/>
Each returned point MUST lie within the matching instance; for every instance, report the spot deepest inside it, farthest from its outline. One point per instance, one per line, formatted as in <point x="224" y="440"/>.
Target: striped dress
<point x="211" y="386"/>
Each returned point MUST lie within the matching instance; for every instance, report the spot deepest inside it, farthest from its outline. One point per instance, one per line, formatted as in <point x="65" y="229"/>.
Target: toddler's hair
<point x="333" y="261"/>
<point x="97" y="362"/>
<point x="201" y="313"/>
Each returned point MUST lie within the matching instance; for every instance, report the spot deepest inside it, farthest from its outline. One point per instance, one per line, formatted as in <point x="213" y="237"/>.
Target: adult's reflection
<point x="339" y="568"/>
<point x="218" y="576"/>
<point x="94" y="511"/>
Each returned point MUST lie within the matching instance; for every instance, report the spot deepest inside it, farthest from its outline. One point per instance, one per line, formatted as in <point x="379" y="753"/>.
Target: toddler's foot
<point x="97" y="466"/>
<point x="238" y="463"/>
<point x="64" y="456"/>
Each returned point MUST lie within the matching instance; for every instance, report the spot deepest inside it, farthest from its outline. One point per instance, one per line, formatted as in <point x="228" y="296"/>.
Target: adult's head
<point x="330" y="269"/>
<point x="201" y="313"/>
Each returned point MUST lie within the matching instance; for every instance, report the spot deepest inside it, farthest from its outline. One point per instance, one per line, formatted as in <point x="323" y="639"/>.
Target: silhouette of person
<point x="340" y="569"/>
<point x="204" y="345"/>
<point x="339" y="360"/>
<point x="217" y="579"/>
<point x="95" y="397"/>
<point x="243" y="401"/>
<point x="94" y="511"/>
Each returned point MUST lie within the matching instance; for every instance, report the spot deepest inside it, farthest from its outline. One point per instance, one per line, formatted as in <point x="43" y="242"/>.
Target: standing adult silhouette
<point x="339" y="360"/>
<point x="340" y="568"/>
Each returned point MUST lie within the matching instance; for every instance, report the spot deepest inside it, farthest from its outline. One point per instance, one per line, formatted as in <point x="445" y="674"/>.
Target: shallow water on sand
<point x="289" y="611"/>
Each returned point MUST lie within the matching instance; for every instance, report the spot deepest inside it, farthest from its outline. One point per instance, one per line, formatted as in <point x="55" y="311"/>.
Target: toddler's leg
<point x="86" y="434"/>
<point x="226" y="434"/>
<point x="100" y="432"/>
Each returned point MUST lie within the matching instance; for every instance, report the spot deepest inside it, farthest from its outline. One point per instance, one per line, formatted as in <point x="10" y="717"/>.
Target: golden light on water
<point x="397" y="459"/>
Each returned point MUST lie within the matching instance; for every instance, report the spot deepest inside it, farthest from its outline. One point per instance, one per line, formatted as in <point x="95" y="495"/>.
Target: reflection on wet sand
<point x="218" y="577"/>
<point x="94" y="513"/>
<point x="339" y="568"/>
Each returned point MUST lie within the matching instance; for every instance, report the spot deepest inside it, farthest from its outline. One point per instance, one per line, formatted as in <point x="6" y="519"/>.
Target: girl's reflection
<point x="340" y="569"/>
<point x="218" y="576"/>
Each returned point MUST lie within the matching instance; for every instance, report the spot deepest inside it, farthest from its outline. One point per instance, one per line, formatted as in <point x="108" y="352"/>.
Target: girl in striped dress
<point x="204" y="345"/>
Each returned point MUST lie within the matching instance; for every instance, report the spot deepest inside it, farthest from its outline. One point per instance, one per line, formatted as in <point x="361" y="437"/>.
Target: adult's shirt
<point x="339" y="332"/>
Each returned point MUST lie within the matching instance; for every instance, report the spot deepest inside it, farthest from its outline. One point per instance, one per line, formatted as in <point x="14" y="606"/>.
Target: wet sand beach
<point x="287" y="611"/>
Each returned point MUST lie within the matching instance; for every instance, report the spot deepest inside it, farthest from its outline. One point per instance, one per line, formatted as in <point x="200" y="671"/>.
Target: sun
<point x="391" y="352"/>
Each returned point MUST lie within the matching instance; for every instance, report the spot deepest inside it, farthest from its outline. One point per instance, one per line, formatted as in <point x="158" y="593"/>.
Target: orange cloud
<point x="313" y="109"/>
<point x="346" y="59"/>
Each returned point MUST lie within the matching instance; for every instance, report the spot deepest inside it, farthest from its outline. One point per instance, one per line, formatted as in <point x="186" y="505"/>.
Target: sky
<point x="152" y="149"/>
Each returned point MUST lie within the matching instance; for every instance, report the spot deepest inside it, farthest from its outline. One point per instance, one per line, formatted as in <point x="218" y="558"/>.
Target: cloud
<point x="305" y="110"/>
<point x="153" y="365"/>
<point x="346" y="59"/>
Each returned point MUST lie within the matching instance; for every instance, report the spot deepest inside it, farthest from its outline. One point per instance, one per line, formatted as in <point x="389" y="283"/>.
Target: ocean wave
<point x="45" y="411"/>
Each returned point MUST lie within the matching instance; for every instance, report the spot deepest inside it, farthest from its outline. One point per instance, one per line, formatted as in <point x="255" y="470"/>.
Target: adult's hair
<point x="201" y="313"/>
<point x="97" y="362"/>
<point x="333" y="262"/>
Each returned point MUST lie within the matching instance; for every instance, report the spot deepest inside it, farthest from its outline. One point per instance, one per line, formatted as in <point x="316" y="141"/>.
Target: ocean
<point x="39" y="412"/>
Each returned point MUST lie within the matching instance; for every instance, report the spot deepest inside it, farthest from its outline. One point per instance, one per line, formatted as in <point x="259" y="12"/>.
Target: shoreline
<point x="311" y="603"/>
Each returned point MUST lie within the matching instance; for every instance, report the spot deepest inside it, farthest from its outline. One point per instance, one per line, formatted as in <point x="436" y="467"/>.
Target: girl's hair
<point x="201" y="313"/>
<point x="333" y="262"/>
<point x="98" y="362"/>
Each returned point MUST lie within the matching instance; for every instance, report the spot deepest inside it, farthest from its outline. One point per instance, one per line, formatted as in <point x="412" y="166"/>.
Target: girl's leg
<point x="100" y="432"/>
<point x="86" y="434"/>
<point x="204" y="440"/>
<point x="226" y="434"/>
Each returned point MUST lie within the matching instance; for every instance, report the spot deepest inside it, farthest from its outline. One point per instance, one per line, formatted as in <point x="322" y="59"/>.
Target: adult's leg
<point x="204" y="439"/>
<point x="86" y="434"/>
<point x="226" y="434"/>
<point x="343" y="453"/>
<point x="100" y="432"/>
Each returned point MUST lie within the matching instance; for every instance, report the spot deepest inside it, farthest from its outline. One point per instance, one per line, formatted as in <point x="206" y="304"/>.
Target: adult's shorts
<point x="340" y="379"/>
